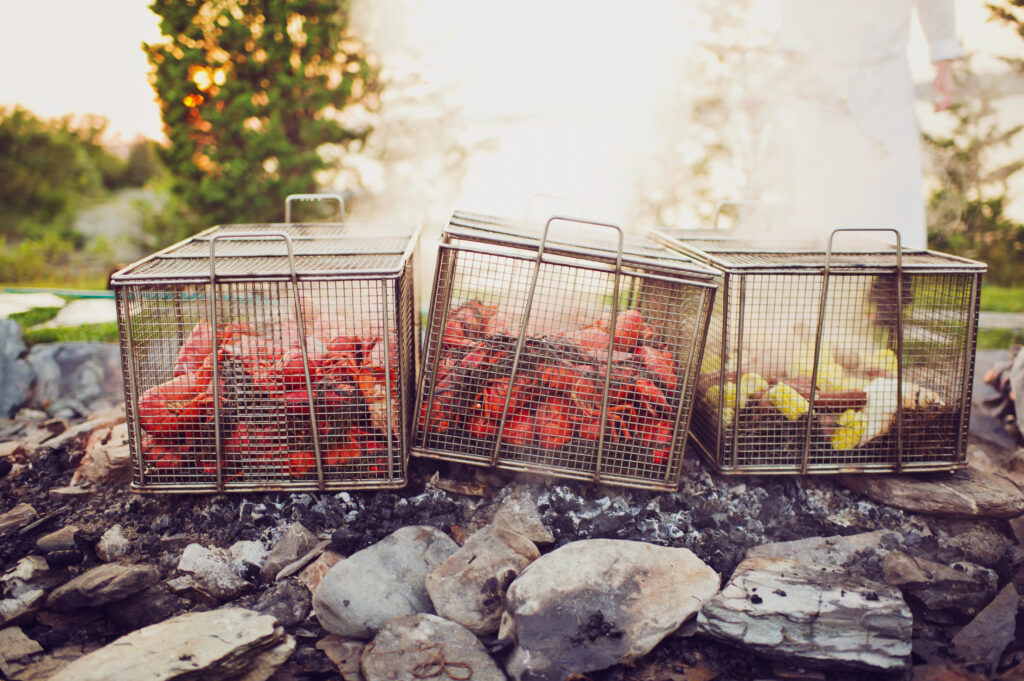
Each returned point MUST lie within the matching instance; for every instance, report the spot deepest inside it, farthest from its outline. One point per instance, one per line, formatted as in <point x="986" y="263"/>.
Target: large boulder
<point x="15" y="373"/>
<point x="75" y="377"/>
<point x="591" y="604"/>
<point x="359" y="594"/>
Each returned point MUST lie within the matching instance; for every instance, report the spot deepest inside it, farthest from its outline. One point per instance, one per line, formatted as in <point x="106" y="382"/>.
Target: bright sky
<point x="69" y="56"/>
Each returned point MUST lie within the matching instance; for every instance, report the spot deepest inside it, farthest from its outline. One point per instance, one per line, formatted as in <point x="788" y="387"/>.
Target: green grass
<point x="999" y="339"/>
<point x="36" y="315"/>
<point x="1002" y="298"/>
<point x="104" y="332"/>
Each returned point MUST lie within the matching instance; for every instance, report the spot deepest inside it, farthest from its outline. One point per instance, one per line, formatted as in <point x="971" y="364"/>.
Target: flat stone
<point x="113" y="545"/>
<point x="967" y="493"/>
<point x="519" y="513"/>
<point x="943" y="672"/>
<point x="413" y="645"/>
<point x="101" y="585"/>
<point x="469" y="587"/>
<point x="294" y="542"/>
<point x="984" y="639"/>
<point x="961" y="585"/>
<point x="248" y="555"/>
<point x="313" y="573"/>
<point x="836" y="552"/>
<point x="798" y="611"/>
<point x="68" y="493"/>
<point x="16" y="518"/>
<point x="107" y="455"/>
<point x="229" y="643"/>
<point x="42" y="667"/>
<point x="981" y="544"/>
<point x="15" y="645"/>
<point x="22" y="607"/>
<point x="359" y="594"/>
<point x="212" y="572"/>
<point x="595" y="603"/>
<point x="303" y="560"/>
<point x="59" y="540"/>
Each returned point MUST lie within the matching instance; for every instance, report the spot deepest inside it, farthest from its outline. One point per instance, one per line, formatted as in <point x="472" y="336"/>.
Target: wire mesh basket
<point x="270" y="357"/>
<point x="578" y="361"/>
<point x="821" y="361"/>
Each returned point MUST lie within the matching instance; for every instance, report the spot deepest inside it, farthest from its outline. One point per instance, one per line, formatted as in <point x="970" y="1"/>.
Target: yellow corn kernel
<point x="710" y="364"/>
<point x="830" y="377"/>
<point x="751" y="384"/>
<point x="788" y="401"/>
<point x="849" y="431"/>
<point x="712" y="394"/>
<point x="883" y="360"/>
<point x="728" y="414"/>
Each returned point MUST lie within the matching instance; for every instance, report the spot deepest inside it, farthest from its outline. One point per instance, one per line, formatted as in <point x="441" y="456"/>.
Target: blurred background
<point x="127" y="126"/>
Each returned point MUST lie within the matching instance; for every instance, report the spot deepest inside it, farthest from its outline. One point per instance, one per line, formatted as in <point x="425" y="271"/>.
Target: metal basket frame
<point x="736" y="261"/>
<point x="505" y="240"/>
<point x="397" y="293"/>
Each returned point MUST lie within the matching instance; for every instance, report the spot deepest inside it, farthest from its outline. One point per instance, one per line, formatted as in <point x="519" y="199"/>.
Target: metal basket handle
<point x="312" y="197"/>
<point x="899" y="340"/>
<point x="212" y="306"/>
<point x="520" y="342"/>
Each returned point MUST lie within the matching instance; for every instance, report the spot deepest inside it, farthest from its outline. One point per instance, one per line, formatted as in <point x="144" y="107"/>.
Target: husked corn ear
<point x="751" y="384"/>
<point x="728" y="414"/>
<point x="883" y="360"/>
<point x="830" y="377"/>
<point x="713" y="393"/>
<point x="849" y="431"/>
<point x="710" y="364"/>
<point x="788" y="401"/>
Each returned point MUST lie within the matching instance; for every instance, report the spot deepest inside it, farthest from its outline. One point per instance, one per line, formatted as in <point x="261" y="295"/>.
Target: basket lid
<point x="259" y="251"/>
<point x="746" y="253"/>
<point x="526" y="235"/>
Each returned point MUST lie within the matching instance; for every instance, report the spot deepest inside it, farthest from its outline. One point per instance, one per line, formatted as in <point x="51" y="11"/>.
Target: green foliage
<point x="999" y="339"/>
<point x="966" y="213"/>
<point x="1002" y="298"/>
<point x="36" y="315"/>
<point x="103" y="332"/>
<point x="49" y="167"/>
<point x="250" y="94"/>
<point x="52" y="258"/>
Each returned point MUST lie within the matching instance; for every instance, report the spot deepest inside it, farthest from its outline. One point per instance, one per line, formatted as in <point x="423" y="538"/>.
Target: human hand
<point x="942" y="86"/>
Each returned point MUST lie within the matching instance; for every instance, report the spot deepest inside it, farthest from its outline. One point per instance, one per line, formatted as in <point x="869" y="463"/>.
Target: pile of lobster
<point x="267" y="409"/>
<point x="553" y="402"/>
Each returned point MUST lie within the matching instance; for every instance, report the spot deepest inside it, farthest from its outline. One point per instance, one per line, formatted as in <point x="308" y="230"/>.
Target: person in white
<point x="851" y="135"/>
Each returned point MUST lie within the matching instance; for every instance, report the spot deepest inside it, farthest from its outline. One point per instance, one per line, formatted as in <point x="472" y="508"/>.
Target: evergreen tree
<point x="251" y="94"/>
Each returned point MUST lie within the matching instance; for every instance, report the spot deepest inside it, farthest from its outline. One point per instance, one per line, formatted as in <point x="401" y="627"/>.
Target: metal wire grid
<point x="763" y="333"/>
<point x="361" y="348"/>
<point x="554" y="420"/>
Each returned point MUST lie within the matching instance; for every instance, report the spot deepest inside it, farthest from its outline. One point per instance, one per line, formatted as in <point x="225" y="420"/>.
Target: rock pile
<point x="473" y="574"/>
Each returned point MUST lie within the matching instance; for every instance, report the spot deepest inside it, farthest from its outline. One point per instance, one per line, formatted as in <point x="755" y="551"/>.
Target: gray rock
<point x="961" y="585"/>
<point x="591" y="604"/>
<point x="212" y="572"/>
<point x="981" y="544"/>
<point x="1017" y="384"/>
<point x="984" y="639"/>
<point x="60" y="540"/>
<point x="519" y="514"/>
<point x="837" y="552"/>
<point x="469" y="587"/>
<point x="967" y="493"/>
<point x="413" y="645"/>
<point x="288" y="601"/>
<point x="78" y="377"/>
<point x="15" y="373"/>
<point x="230" y="643"/>
<point x="247" y="555"/>
<point x="16" y="518"/>
<point x="359" y="594"/>
<point x="293" y="544"/>
<point x="803" y="612"/>
<point x="113" y="545"/>
<point x="101" y="585"/>
<point x="29" y="573"/>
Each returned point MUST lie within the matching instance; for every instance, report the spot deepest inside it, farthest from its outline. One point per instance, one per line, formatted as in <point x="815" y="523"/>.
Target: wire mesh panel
<point x="262" y="372"/>
<point x="823" y="362"/>
<point x="576" y="361"/>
